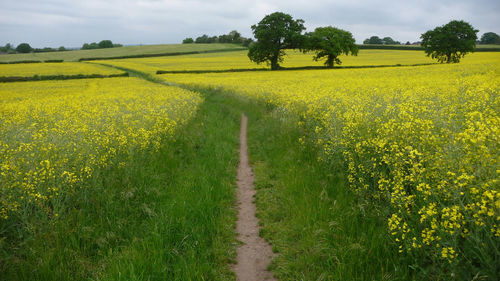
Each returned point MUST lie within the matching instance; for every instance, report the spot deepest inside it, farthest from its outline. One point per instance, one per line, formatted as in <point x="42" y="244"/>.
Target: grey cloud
<point x="71" y="23"/>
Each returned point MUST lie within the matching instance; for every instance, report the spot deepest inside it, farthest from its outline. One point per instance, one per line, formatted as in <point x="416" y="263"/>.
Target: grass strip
<point x="20" y="61"/>
<point x="8" y="79"/>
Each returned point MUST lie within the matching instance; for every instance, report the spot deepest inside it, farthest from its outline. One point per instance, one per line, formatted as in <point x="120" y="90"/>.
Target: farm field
<point x="54" y="69"/>
<point x="238" y="60"/>
<point x="391" y="169"/>
<point x="117" y="52"/>
<point x="72" y="128"/>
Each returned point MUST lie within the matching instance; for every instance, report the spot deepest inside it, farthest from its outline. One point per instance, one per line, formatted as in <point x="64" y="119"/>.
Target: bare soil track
<point x="255" y="254"/>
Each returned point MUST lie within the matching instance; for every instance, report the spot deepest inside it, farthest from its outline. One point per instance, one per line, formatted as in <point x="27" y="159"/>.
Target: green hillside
<point x="120" y="52"/>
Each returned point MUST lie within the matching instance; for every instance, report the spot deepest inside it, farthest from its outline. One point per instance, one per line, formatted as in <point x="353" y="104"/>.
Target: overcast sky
<point x="70" y="23"/>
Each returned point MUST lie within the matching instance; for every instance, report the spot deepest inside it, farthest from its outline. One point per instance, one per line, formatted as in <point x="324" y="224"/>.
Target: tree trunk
<point x="274" y="63"/>
<point x="329" y="61"/>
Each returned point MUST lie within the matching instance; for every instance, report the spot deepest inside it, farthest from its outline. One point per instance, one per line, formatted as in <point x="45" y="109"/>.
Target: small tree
<point x="188" y="41"/>
<point x="330" y="42"/>
<point x="373" y="40"/>
<point x="275" y="33"/>
<point x="235" y="36"/>
<point x="24" y="48"/>
<point x="105" y="44"/>
<point x="450" y="42"/>
<point x="202" y="39"/>
<point x="490" y="38"/>
<point x="390" y="41"/>
<point x="247" y="42"/>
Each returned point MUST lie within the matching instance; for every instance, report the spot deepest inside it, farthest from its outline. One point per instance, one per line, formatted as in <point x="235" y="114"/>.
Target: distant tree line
<point x="101" y="45"/>
<point x="26" y="48"/>
<point x="375" y="40"/>
<point x="487" y="38"/>
<point x="233" y="37"/>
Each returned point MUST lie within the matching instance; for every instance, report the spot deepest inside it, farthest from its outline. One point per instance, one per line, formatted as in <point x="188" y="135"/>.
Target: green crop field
<point x="119" y="52"/>
<point x="383" y="168"/>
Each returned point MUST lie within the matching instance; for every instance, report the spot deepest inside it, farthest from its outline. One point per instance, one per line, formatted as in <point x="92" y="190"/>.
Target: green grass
<point x="488" y="46"/>
<point x="117" y="52"/>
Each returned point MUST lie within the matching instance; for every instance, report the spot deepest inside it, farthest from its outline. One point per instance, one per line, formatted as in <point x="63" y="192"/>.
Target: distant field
<point x="496" y="46"/>
<point x="117" y="52"/>
<point x="65" y="68"/>
<point x="240" y="60"/>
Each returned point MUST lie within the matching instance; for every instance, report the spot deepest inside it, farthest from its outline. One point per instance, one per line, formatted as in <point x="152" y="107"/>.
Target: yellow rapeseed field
<point x="55" y="134"/>
<point x="63" y="68"/>
<point x="421" y="142"/>
<point x="239" y="60"/>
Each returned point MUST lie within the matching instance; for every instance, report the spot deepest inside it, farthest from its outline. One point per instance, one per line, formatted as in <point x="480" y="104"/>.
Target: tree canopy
<point x="450" y="42"/>
<point x="275" y="33"/>
<point x="490" y="38"/>
<point x="24" y="48"/>
<point x="101" y="45"/>
<point x="373" y="40"/>
<point x="389" y="41"/>
<point x="233" y="37"/>
<point x="105" y="44"/>
<point x="330" y="42"/>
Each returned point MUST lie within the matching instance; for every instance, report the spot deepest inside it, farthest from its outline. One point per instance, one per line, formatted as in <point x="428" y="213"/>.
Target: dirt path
<point x="255" y="254"/>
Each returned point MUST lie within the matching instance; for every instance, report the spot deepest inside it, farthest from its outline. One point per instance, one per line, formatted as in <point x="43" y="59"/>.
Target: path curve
<point x="255" y="254"/>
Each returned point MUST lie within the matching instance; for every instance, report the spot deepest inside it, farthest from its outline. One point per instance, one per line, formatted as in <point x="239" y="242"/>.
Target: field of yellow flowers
<point x="53" y="69"/>
<point x="55" y="134"/>
<point x="419" y="142"/>
<point x="239" y="60"/>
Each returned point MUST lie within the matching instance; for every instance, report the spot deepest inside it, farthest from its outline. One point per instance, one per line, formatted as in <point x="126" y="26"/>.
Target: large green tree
<point x="275" y="33"/>
<point x="330" y="42"/>
<point x="450" y="42"/>
<point x="490" y="38"/>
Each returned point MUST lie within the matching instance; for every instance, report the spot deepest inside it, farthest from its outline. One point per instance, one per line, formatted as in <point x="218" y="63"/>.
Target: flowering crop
<point x="239" y="60"/>
<point x="419" y="142"/>
<point x="64" y="68"/>
<point x="55" y="134"/>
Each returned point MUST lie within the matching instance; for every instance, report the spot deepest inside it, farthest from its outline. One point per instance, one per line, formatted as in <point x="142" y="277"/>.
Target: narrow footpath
<point x="255" y="254"/>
